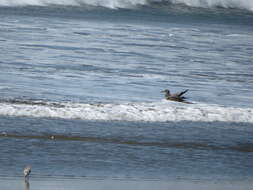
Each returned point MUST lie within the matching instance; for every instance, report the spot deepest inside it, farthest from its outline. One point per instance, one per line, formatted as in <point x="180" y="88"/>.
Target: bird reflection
<point x="27" y="185"/>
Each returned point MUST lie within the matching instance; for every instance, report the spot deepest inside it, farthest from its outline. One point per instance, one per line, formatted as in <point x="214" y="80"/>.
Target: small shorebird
<point x="174" y="97"/>
<point x="27" y="172"/>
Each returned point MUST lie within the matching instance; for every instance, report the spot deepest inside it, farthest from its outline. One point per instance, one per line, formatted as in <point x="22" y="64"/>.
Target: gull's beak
<point x="162" y="91"/>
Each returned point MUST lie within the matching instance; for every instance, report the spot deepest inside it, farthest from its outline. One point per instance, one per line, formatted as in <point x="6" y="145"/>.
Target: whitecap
<point x="162" y="111"/>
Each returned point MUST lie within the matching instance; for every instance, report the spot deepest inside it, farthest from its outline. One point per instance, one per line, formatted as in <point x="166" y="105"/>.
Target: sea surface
<point x="81" y="82"/>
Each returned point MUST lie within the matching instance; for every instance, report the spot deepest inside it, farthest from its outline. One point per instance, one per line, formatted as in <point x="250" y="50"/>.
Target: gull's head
<point x="166" y="91"/>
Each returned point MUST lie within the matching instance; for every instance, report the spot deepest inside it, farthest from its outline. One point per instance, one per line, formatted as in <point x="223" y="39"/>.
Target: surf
<point x="115" y="4"/>
<point x="161" y="111"/>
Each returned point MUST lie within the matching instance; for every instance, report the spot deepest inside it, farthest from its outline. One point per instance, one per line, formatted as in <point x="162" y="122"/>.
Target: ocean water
<point x="81" y="81"/>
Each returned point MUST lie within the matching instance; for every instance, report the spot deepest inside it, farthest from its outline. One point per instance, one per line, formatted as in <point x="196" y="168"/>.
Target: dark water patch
<point x="230" y="77"/>
<point x="244" y="147"/>
<point x="154" y="45"/>
<point x="118" y="35"/>
<point x="86" y="67"/>
<point x="241" y="147"/>
<point x="82" y="33"/>
<point x="143" y="14"/>
<point x="55" y="47"/>
<point x="249" y="48"/>
<point x="6" y="30"/>
<point x="96" y="49"/>
<point x="31" y="102"/>
<point x="15" y="64"/>
<point x="30" y="29"/>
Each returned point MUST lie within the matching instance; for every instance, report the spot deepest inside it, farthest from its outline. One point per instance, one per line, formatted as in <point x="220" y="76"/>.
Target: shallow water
<point x="119" y="183"/>
<point x="193" y="150"/>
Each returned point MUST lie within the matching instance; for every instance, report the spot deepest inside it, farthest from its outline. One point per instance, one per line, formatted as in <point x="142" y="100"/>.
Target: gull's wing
<point x="181" y="93"/>
<point x="178" y="95"/>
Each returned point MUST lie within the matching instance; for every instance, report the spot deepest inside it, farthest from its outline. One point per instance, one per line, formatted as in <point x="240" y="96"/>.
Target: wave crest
<point x="240" y="4"/>
<point x="150" y="112"/>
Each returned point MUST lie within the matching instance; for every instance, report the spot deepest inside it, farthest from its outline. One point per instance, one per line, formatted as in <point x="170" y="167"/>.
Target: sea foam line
<point x="150" y="112"/>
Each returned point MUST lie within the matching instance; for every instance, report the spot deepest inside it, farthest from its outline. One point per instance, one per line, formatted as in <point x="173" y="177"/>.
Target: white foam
<point x="242" y="4"/>
<point x="104" y="3"/>
<point x="151" y="112"/>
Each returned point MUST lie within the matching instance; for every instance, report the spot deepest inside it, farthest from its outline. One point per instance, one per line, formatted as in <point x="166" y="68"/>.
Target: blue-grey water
<point x="80" y="90"/>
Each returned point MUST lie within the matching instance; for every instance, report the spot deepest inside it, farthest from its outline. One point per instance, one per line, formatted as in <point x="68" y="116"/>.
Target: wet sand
<point x="56" y="183"/>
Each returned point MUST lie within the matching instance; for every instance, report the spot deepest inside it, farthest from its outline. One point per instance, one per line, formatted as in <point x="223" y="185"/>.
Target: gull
<point x="174" y="97"/>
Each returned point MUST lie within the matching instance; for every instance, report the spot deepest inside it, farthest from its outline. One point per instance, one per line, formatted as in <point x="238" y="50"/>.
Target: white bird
<point x="27" y="172"/>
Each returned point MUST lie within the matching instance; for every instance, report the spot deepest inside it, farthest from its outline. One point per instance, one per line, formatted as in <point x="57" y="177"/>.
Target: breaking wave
<point x="150" y="112"/>
<point x="239" y="4"/>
